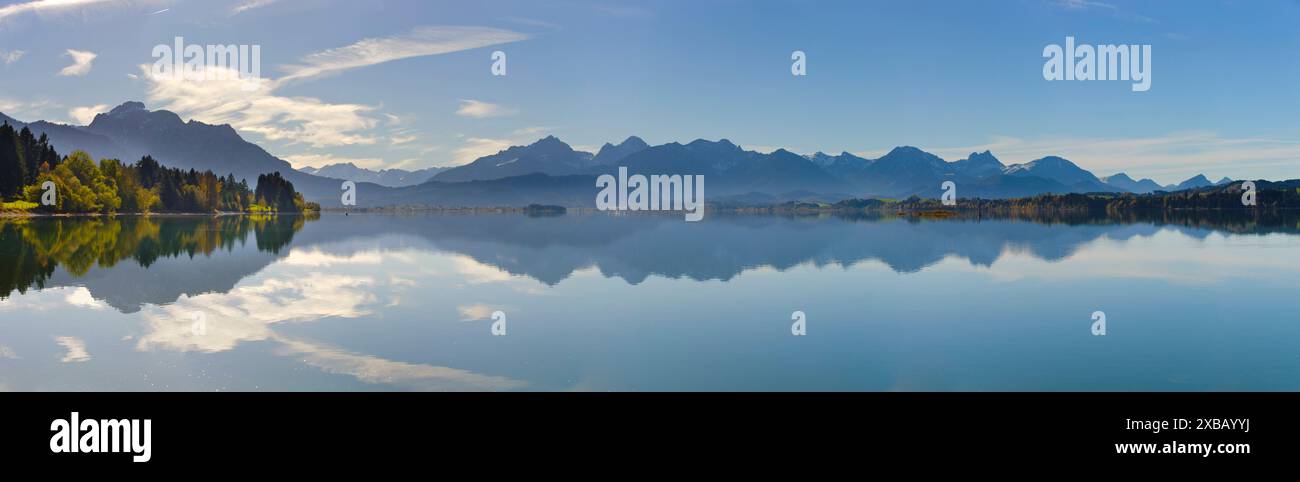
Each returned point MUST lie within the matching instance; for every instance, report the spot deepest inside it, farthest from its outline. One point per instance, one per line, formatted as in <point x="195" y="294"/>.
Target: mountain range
<point x="130" y="131"/>
<point x="382" y="177"/>
<point x="550" y="171"/>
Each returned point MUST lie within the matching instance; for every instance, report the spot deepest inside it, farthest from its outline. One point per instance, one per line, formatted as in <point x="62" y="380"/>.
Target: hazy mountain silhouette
<point x="728" y="169"/>
<point x="131" y="131"/>
<point x="550" y="171"/>
<point x="549" y="156"/>
<point x="1058" y="169"/>
<point x="383" y="177"/>
<point x="72" y="136"/>
<point x="838" y="165"/>
<point x="578" y="190"/>
<point x="1196" y="182"/>
<point x="1124" y="182"/>
<point x="743" y="176"/>
<point x="901" y="171"/>
<point x="633" y="248"/>
<point x="133" y="261"/>
<point x="978" y="165"/>
<point x="610" y="153"/>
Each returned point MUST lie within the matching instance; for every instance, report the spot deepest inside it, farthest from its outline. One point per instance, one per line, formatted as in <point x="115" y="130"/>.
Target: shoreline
<point x="116" y="215"/>
<point x="924" y="211"/>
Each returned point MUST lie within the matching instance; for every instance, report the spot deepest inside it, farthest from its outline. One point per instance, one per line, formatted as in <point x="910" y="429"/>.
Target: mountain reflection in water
<point x="403" y="301"/>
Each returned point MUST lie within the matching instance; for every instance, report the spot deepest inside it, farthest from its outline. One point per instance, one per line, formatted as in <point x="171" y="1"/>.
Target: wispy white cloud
<point x="45" y="5"/>
<point x="82" y="298"/>
<point x="76" y="349"/>
<point x="226" y="99"/>
<point x="81" y="63"/>
<point x="476" y="147"/>
<point x="262" y="110"/>
<point x="247" y="313"/>
<point x="25" y="110"/>
<point x="54" y="299"/>
<point x="247" y="5"/>
<point x="475" y="312"/>
<point x="251" y="313"/>
<point x="474" y="272"/>
<point x="11" y="56"/>
<point x="1085" y="5"/>
<point x="399" y="139"/>
<point x="315" y="258"/>
<point x="372" y="369"/>
<point x="83" y="115"/>
<point x="421" y="42"/>
<point x="1082" y="4"/>
<point x="480" y="110"/>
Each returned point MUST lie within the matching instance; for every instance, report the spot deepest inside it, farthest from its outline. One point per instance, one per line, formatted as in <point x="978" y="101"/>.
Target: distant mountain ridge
<point x="383" y="177"/>
<point x="782" y="175"/>
<point x="1196" y="182"/>
<point x="130" y="131"/>
<point x="550" y="171"/>
<point x="610" y="153"/>
<point x="1123" y="181"/>
<point x="548" y="156"/>
<point x="1062" y="171"/>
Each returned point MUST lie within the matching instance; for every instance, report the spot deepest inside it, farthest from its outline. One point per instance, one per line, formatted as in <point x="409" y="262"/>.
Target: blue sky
<point x="408" y="83"/>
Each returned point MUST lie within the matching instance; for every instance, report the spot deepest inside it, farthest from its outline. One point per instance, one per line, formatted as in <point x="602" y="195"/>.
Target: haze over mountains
<point x="739" y="175"/>
<point x="550" y="171"/>
<point x="130" y="131"/>
<point x="382" y="177"/>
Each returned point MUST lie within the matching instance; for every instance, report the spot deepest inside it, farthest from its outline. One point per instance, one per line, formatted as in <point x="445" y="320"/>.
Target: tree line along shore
<point x="35" y="179"/>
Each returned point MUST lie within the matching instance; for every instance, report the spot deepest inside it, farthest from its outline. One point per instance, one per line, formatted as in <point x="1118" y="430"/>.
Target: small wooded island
<point x="34" y="179"/>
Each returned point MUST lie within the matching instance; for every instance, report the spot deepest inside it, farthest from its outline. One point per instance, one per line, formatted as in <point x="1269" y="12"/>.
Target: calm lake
<point x="601" y="302"/>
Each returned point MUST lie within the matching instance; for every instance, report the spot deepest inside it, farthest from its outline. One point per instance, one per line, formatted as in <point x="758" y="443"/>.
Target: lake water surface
<point x="600" y="302"/>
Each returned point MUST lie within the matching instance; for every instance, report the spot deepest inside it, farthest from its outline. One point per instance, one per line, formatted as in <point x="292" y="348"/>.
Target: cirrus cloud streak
<point x="264" y="110"/>
<point x="421" y="42"/>
<point x="81" y="63"/>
